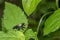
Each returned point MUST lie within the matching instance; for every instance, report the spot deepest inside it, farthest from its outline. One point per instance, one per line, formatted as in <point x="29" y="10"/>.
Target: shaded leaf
<point x="46" y="6"/>
<point x="52" y="23"/>
<point x="30" y="5"/>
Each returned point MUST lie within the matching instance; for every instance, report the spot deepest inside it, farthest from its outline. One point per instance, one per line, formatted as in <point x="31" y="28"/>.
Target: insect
<point x="19" y="26"/>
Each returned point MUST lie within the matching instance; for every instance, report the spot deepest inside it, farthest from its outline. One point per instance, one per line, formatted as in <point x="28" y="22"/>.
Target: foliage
<point x="41" y="20"/>
<point x="30" y="5"/>
<point x="13" y="17"/>
<point x="52" y="23"/>
<point x="30" y="34"/>
<point x="12" y="35"/>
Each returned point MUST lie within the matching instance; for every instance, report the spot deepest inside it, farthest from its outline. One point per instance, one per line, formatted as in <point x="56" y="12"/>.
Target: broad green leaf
<point x="30" y="5"/>
<point x="13" y="16"/>
<point x="12" y="35"/>
<point x="30" y="34"/>
<point x="52" y="23"/>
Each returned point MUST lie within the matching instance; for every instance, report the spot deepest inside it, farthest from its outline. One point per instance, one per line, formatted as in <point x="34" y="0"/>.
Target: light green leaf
<point x="12" y="35"/>
<point x="30" y="34"/>
<point x="52" y="23"/>
<point x="30" y="5"/>
<point x="13" y="16"/>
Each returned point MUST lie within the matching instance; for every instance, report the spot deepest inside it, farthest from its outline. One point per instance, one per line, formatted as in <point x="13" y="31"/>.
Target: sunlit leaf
<point x="30" y="5"/>
<point x="12" y="35"/>
<point x="13" y="16"/>
<point x="52" y="23"/>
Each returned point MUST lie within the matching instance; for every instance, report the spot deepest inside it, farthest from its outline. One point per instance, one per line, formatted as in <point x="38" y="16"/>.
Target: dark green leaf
<point x="46" y="7"/>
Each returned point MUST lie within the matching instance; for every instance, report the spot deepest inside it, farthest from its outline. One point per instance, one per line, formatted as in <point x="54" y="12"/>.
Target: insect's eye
<point x="31" y="39"/>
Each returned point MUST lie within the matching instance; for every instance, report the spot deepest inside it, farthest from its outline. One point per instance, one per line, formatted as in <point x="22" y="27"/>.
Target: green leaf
<point x="30" y="34"/>
<point x="30" y="5"/>
<point x="12" y="35"/>
<point x="13" y="16"/>
<point x="52" y="23"/>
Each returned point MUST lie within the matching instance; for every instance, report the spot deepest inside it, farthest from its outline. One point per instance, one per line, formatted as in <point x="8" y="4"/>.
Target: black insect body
<point x="19" y="26"/>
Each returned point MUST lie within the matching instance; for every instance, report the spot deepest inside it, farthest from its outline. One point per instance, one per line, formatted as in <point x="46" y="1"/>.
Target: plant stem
<point x="41" y="21"/>
<point x="57" y="3"/>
